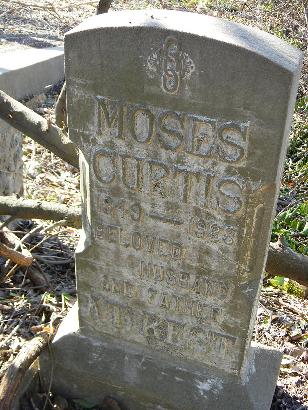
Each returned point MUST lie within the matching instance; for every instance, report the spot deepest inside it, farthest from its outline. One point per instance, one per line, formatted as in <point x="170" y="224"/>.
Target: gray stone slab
<point x="91" y="369"/>
<point x="182" y="124"/>
<point x="27" y="72"/>
<point x="24" y="72"/>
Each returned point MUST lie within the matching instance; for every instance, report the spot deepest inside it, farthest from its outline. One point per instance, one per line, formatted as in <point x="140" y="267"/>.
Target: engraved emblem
<point x="171" y="65"/>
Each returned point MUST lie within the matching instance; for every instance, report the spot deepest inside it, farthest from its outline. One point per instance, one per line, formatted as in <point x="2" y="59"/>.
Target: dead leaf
<point x="304" y="356"/>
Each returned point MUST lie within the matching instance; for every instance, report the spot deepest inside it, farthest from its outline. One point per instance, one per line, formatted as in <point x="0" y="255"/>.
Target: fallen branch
<point x="18" y="258"/>
<point x="38" y="128"/>
<point x="9" y="238"/>
<point x="13" y="377"/>
<point x="9" y="244"/>
<point x="283" y="261"/>
<point x="33" y="209"/>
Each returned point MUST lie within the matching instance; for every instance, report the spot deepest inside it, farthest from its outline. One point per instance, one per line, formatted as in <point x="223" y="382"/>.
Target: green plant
<point x="292" y="224"/>
<point x="287" y="285"/>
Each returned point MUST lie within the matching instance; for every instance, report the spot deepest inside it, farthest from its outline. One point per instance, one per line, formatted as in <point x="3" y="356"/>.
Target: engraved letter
<point x="132" y="172"/>
<point x="136" y="241"/>
<point x="142" y="124"/>
<point x="158" y="175"/>
<point x="111" y="116"/>
<point x="232" y="144"/>
<point x="229" y="196"/>
<point x="170" y="132"/>
<point x="135" y="212"/>
<point x="104" y="166"/>
<point x="202" y="136"/>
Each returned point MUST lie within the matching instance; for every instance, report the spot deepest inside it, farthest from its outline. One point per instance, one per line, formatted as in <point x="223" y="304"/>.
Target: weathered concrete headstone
<point x="11" y="165"/>
<point x="182" y="123"/>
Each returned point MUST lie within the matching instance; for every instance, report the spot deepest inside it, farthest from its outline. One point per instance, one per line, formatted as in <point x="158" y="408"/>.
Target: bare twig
<point x="43" y="240"/>
<point x="33" y="231"/>
<point x="52" y="261"/>
<point x="8" y="249"/>
<point x="9" y="274"/>
<point x="20" y="258"/>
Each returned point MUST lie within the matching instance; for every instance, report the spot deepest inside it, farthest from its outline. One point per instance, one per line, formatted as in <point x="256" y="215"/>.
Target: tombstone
<point x="182" y="124"/>
<point x="11" y="164"/>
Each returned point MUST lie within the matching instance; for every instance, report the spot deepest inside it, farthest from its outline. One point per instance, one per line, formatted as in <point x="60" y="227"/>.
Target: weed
<point x="287" y="285"/>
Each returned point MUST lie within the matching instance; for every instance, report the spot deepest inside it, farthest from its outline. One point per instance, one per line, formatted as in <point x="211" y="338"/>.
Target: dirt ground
<point x="36" y="299"/>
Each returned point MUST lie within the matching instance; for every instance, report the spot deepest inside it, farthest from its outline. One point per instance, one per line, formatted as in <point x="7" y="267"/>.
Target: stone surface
<point x="11" y="165"/>
<point x="182" y="123"/>
<point x="26" y="72"/>
<point x="23" y="73"/>
<point x="91" y="369"/>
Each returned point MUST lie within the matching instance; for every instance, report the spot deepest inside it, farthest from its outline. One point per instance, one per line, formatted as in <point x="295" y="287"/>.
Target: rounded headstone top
<point x="220" y="30"/>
